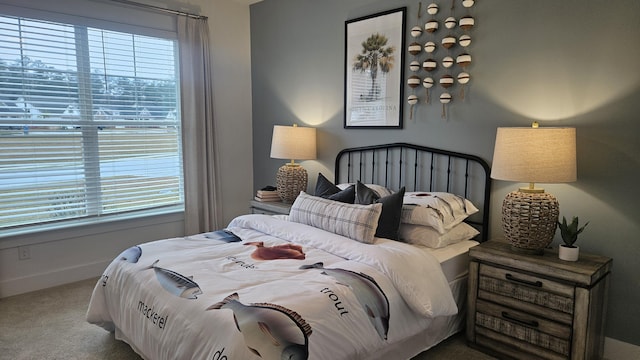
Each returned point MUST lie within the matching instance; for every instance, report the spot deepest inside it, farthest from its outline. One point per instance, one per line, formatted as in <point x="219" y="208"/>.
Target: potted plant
<point x="569" y="232"/>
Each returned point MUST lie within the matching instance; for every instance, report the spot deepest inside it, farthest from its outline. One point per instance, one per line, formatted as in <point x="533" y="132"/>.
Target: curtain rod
<point x="161" y="9"/>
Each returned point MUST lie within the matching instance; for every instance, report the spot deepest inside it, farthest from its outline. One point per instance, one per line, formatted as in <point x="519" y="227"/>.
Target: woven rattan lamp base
<point x="290" y="180"/>
<point x="529" y="220"/>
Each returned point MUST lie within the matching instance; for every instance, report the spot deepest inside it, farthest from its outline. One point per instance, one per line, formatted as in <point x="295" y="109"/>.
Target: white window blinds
<point x="89" y="123"/>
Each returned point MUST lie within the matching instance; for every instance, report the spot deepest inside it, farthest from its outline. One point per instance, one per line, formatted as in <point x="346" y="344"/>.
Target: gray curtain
<point x="202" y="209"/>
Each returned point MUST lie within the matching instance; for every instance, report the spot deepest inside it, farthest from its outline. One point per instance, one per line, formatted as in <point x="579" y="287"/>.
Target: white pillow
<point x="358" y="222"/>
<point x="379" y="189"/>
<point x="440" y="210"/>
<point x="428" y="236"/>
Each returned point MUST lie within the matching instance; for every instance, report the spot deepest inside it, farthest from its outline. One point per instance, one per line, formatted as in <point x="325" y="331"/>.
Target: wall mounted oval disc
<point x="463" y="78"/>
<point x="466" y="22"/>
<point x="446" y="81"/>
<point x="430" y="46"/>
<point x="414" y="81"/>
<point x="416" y="31"/>
<point x="448" y="42"/>
<point x="415" y="48"/>
<point x="427" y="82"/>
<point x="450" y="22"/>
<point x="431" y="26"/>
<point x="465" y="40"/>
<point x="429" y="65"/>
<point x="432" y="9"/>
<point x="463" y="60"/>
<point x="447" y="61"/>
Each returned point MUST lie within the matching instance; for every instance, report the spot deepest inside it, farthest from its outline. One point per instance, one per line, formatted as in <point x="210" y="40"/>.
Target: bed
<point x="380" y="276"/>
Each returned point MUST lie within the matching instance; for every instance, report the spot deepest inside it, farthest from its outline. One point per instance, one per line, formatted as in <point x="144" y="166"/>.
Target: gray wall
<point x="570" y="62"/>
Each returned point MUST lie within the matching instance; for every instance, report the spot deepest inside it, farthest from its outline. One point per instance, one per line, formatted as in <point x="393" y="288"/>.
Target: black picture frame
<point x="374" y="94"/>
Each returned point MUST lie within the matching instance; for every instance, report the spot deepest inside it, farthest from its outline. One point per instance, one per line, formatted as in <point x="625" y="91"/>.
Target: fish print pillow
<point x="440" y="210"/>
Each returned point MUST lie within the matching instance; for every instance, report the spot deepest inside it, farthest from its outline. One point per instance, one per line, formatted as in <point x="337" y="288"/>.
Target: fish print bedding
<point x="285" y="291"/>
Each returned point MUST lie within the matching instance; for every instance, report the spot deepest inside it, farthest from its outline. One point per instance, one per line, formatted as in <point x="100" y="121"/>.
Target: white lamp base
<point x="529" y="220"/>
<point x="290" y="180"/>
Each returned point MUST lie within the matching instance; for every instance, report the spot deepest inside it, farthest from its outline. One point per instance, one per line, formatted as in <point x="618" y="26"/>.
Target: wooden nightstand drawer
<point x="538" y="331"/>
<point x="527" y="292"/>
<point x="506" y="347"/>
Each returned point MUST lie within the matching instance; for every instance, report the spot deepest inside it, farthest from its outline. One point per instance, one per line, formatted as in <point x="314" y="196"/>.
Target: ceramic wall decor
<point x="445" y="54"/>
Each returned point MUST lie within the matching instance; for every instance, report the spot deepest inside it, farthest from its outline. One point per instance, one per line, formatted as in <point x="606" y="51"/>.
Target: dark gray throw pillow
<point x="389" y="221"/>
<point x="327" y="190"/>
<point x="324" y="187"/>
<point x="347" y="195"/>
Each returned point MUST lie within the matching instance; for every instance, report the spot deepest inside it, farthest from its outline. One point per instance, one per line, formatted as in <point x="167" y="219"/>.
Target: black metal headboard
<point x="421" y="168"/>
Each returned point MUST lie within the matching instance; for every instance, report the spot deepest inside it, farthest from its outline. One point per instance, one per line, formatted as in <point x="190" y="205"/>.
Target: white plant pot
<point x="568" y="254"/>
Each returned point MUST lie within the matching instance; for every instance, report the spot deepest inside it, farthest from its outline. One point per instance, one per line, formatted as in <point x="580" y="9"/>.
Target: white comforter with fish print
<point x="286" y="291"/>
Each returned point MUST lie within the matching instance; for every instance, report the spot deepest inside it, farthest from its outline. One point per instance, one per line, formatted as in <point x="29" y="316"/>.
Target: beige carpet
<point x="50" y="324"/>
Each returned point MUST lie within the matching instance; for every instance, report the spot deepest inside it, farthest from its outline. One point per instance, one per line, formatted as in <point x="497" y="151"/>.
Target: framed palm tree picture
<point x="374" y="69"/>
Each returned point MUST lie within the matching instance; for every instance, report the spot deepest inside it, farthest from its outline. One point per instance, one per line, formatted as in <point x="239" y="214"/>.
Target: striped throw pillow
<point x="358" y="222"/>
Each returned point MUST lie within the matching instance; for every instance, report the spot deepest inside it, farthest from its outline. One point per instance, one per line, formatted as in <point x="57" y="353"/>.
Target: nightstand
<point x="536" y="307"/>
<point x="269" y="207"/>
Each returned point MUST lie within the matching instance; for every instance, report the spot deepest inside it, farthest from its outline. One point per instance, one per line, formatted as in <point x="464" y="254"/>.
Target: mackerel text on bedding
<point x="152" y="315"/>
<point x="241" y="262"/>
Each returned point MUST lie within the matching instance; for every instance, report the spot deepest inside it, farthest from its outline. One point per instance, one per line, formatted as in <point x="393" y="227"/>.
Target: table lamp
<point x="533" y="155"/>
<point x="292" y="142"/>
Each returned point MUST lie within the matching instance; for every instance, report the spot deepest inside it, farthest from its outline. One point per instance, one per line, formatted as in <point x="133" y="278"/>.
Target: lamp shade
<point x="535" y="155"/>
<point x="293" y="142"/>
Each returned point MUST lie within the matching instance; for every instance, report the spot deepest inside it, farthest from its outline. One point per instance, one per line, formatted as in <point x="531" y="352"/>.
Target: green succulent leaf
<point x="569" y="232"/>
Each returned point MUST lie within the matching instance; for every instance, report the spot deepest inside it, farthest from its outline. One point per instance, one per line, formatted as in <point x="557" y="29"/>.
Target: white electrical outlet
<point x="24" y="252"/>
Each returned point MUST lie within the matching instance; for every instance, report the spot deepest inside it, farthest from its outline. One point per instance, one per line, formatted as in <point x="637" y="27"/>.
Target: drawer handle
<point x="531" y="323"/>
<point x="522" y="281"/>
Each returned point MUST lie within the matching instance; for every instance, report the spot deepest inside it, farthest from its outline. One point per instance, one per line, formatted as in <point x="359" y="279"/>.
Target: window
<point x="89" y="123"/>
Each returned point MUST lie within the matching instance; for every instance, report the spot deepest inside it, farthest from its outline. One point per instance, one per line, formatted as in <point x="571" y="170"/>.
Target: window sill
<point x="88" y="227"/>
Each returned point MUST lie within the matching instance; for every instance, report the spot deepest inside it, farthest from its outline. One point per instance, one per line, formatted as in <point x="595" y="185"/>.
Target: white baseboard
<point x="616" y="349"/>
<point x="46" y="280"/>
